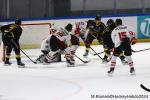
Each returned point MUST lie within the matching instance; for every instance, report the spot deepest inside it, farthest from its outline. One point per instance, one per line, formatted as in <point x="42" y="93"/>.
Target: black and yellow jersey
<point x="107" y="34"/>
<point x="12" y="31"/>
<point x="95" y="26"/>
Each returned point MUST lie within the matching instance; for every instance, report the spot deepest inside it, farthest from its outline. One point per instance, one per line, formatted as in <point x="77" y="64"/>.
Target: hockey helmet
<point x="97" y="17"/>
<point x="18" y="21"/>
<point x="69" y="27"/>
<point x="110" y="22"/>
<point x="118" y="22"/>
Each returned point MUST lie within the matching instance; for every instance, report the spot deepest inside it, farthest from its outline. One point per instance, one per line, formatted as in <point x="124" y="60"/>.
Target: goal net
<point x="32" y="35"/>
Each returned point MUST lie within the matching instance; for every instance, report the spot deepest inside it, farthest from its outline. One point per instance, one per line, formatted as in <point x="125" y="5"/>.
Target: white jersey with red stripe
<point x="61" y="34"/>
<point x="121" y="32"/>
<point x="80" y="28"/>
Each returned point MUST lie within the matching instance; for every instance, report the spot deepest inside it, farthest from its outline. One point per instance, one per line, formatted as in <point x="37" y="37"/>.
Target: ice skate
<point x="70" y="63"/>
<point x="7" y="63"/>
<point x="85" y="55"/>
<point x="72" y="60"/>
<point x="21" y="65"/>
<point x="124" y="62"/>
<point x="45" y="62"/>
<point x="40" y="59"/>
<point x="105" y="60"/>
<point x="111" y="71"/>
<point x="132" y="71"/>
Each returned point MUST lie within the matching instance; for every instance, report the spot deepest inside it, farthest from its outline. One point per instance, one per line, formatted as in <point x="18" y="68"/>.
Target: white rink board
<point x="33" y="35"/>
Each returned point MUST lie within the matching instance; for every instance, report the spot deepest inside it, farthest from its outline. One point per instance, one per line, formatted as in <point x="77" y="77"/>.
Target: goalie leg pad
<point x="70" y="63"/>
<point x="53" y="57"/>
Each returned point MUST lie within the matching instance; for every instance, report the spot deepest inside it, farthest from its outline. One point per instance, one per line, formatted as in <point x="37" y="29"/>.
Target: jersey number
<point x="122" y="35"/>
<point x="54" y="31"/>
<point x="59" y="34"/>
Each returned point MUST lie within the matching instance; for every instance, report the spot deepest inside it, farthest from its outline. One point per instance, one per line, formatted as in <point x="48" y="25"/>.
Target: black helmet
<point x="18" y="21"/>
<point x="90" y="22"/>
<point x="118" y="22"/>
<point x="69" y="27"/>
<point x="97" y="17"/>
<point x="110" y="22"/>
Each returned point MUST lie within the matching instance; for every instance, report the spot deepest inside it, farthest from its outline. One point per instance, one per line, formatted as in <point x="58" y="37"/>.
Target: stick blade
<point x="85" y="61"/>
<point x="144" y="88"/>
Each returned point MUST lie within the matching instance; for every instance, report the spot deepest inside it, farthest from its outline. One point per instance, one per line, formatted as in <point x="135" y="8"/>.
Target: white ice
<point x="58" y="82"/>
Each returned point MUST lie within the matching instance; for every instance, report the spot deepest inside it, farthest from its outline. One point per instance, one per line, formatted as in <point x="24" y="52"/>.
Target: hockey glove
<point x="133" y="41"/>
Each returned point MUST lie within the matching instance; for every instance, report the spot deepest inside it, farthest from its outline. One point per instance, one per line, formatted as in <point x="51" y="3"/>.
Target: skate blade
<point x="38" y="62"/>
<point x="124" y="64"/>
<point x="105" y="62"/>
<point x="70" y="65"/>
<point x="110" y="74"/>
<point x="44" y="63"/>
<point x="6" y="64"/>
<point x="86" y="57"/>
<point x="21" y="66"/>
<point x="133" y="73"/>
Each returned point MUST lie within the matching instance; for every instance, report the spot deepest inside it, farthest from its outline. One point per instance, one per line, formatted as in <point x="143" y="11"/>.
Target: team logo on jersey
<point x="145" y="27"/>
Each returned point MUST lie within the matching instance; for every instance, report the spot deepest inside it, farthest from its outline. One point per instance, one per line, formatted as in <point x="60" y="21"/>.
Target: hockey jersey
<point x="61" y="33"/>
<point x="121" y="32"/>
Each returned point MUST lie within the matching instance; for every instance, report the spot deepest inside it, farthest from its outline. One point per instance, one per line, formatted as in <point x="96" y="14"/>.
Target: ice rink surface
<point x="83" y="82"/>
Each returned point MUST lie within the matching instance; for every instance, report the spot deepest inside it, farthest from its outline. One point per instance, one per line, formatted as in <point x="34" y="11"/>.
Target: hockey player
<point x="108" y="43"/>
<point x="78" y="32"/>
<point x="122" y="37"/>
<point x="57" y="41"/>
<point x="96" y="27"/>
<point x="45" y="49"/>
<point x="10" y="36"/>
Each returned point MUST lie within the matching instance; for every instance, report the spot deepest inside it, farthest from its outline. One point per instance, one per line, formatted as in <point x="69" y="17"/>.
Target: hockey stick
<point x="27" y="56"/>
<point x="94" y="50"/>
<point x="140" y="50"/>
<point x="81" y="59"/>
<point x="144" y="88"/>
<point x="103" y="52"/>
<point x="96" y="53"/>
<point x="132" y="51"/>
<point x="23" y="51"/>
